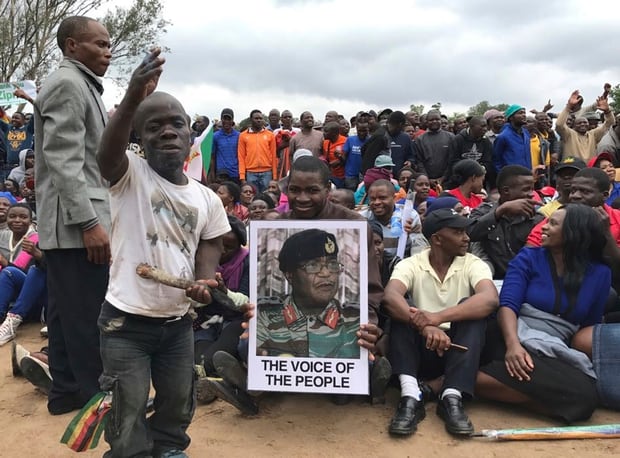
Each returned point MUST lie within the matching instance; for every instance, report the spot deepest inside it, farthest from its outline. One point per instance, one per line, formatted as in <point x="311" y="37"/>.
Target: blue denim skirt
<point x="606" y="360"/>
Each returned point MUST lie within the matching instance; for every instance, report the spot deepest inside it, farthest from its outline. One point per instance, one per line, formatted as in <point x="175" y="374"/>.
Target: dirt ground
<point x="290" y="425"/>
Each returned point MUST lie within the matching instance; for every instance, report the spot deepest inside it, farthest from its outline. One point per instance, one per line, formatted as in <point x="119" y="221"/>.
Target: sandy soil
<point x="289" y="425"/>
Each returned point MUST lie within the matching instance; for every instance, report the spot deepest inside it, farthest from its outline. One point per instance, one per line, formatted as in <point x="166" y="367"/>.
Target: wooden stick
<point x="147" y="271"/>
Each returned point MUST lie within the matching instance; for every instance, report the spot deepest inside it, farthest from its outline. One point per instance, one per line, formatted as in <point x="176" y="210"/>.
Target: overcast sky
<point x="320" y="55"/>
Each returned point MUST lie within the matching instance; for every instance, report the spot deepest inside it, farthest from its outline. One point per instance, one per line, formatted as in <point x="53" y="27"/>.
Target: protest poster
<point x="309" y="281"/>
<point x="6" y="92"/>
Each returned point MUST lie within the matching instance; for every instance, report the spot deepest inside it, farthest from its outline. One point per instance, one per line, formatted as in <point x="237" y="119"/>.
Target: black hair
<point x="584" y="240"/>
<point x="477" y="120"/>
<point x="20" y="113"/>
<point x="238" y="228"/>
<point x="509" y="172"/>
<point x="22" y="205"/>
<point x="233" y="189"/>
<point x="15" y="184"/>
<point x="311" y="164"/>
<point x="71" y="27"/>
<point x="376" y="227"/>
<point x="348" y="197"/>
<point x="464" y="169"/>
<point x="397" y="117"/>
<point x="255" y="111"/>
<point x="405" y="169"/>
<point x="265" y="198"/>
<point x="381" y="182"/>
<point x="598" y="175"/>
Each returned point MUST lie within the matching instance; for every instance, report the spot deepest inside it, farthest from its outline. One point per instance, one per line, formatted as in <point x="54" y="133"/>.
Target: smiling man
<point x="310" y="321"/>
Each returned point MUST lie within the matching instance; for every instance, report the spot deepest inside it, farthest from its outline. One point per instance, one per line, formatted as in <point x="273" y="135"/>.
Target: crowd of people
<point x="506" y="288"/>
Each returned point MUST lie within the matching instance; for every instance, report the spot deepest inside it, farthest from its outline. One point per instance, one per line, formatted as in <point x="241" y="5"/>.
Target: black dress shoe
<point x="409" y="413"/>
<point x="450" y="410"/>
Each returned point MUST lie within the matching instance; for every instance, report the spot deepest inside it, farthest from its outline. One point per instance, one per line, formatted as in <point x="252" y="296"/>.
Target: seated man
<point x="452" y="293"/>
<point x="310" y="322"/>
<point x="500" y="229"/>
<point x="382" y="208"/>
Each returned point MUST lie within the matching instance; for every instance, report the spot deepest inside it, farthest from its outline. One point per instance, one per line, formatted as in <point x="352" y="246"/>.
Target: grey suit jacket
<point x="69" y="118"/>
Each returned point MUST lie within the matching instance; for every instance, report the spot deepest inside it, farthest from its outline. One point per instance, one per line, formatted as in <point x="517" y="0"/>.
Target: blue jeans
<point x="28" y="290"/>
<point x="606" y="360"/>
<point x="260" y="180"/>
<point x="134" y="350"/>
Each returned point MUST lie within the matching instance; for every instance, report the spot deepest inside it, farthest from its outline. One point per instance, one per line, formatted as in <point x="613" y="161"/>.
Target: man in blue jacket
<point x="512" y="146"/>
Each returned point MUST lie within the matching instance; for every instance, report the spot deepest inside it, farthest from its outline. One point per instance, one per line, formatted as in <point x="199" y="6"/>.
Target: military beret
<point x="304" y="246"/>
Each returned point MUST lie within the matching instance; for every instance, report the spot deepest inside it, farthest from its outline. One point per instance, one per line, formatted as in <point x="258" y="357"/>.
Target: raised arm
<point x="111" y="156"/>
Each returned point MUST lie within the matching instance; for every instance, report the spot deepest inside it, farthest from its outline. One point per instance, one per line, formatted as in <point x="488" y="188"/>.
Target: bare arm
<point x="111" y="156"/>
<point x="394" y="301"/>
<point x="207" y="259"/>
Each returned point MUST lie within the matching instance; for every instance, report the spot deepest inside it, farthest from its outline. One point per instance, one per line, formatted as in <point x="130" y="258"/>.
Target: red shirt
<point x="535" y="237"/>
<point x="472" y="202"/>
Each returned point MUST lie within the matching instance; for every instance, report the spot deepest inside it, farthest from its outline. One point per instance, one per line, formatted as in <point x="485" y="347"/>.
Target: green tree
<point x="419" y="109"/>
<point x="28" y="47"/>
<point x="614" y="98"/>
<point x="481" y="107"/>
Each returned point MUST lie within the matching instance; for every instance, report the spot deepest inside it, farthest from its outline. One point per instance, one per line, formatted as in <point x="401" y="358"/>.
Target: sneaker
<point x="233" y="395"/>
<point x="36" y="372"/>
<point x="230" y="369"/>
<point x="17" y="354"/>
<point x="8" y="328"/>
<point x="43" y="331"/>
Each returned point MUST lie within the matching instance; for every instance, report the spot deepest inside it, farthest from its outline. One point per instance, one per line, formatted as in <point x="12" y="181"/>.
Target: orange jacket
<point x="331" y="151"/>
<point x="257" y="152"/>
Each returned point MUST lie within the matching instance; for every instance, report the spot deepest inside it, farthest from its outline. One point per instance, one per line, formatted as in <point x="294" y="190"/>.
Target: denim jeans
<point x="260" y="180"/>
<point x="606" y="360"/>
<point x="28" y="290"/>
<point x="134" y="350"/>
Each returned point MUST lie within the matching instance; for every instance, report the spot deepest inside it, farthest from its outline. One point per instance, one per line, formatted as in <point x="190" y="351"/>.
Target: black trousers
<point x="76" y="289"/>
<point x="409" y="356"/>
<point x="227" y="341"/>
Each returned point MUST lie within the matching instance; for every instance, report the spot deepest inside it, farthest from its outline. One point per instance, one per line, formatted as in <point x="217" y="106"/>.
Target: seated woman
<point x="469" y="178"/>
<point x="549" y="294"/>
<point x="217" y="327"/>
<point x="605" y="162"/>
<point x="230" y="195"/>
<point x="19" y="278"/>
<point x="248" y="192"/>
<point x="261" y="205"/>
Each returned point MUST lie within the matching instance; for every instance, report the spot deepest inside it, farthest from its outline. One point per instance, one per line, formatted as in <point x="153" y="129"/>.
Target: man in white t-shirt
<point x="453" y="293"/>
<point x="163" y="218"/>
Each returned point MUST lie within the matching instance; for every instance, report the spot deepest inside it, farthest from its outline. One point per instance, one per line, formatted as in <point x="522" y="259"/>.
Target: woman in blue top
<point x="549" y="293"/>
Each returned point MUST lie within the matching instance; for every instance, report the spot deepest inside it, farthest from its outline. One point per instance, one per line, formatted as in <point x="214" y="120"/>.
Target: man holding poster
<point x="310" y="322"/>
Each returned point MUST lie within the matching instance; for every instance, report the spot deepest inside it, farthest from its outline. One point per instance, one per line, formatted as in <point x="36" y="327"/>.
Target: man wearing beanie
<point x="452" y="293"/>
<point x="512" y="146"/>
<point x="495" y="122"/>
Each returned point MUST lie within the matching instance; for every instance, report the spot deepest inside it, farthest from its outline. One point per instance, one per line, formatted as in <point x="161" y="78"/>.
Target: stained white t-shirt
<point x="157" y="222"/>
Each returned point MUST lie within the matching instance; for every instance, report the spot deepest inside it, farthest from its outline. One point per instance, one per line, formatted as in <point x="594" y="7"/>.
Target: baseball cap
<point x="383" y="160"/>
<point x="227" y="112"/>
<point x="444" y="217"/>
<point x="570" y="162"/>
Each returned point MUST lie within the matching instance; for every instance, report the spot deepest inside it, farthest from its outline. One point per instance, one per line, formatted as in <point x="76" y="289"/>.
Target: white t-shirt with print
<point x="159" y="223"/>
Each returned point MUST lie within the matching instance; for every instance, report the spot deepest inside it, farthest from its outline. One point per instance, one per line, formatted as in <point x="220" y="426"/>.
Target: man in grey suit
<point x="73" y="209"/>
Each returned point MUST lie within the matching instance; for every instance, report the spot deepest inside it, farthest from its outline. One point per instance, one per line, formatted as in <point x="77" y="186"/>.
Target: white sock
<point x="451" y="391"/>
<point x="409" y="387"/>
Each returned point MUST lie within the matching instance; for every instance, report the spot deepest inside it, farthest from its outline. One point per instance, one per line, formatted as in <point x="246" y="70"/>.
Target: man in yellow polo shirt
<point x="453" y="294"/>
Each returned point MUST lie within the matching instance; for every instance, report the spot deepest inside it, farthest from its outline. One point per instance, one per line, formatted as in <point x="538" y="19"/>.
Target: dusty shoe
<point x="8" y="328"/>
<point x="17" y="354"/>
<point x="233" y="395"/>
<point x="204" y="391"/>
<point x="230" y="369"/>
<point x="379" y="379"/>
<point x="36" y="372"/>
